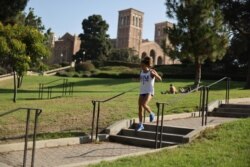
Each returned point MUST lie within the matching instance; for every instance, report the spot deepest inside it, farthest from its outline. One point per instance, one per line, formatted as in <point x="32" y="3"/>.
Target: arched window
<point x="153" y="55"/>
<point x="144" y="54"/>
<point x="159" y="60"/>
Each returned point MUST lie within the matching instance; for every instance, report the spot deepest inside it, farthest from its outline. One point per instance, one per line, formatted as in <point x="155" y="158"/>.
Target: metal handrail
<point x="214" y="83"/>
<point x="162" y="106"/>
<point x="98" y="103"/>
<point x="206" y="97"/>
<point x="202" y="108"/>
<point x="66" y="85"/>
<point x="37" y="113"/>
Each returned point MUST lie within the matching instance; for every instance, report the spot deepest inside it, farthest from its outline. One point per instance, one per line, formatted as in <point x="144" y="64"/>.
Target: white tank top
<point x="147" y="83"/>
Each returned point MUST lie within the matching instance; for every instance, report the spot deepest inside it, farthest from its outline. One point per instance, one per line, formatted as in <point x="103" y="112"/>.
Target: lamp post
<point x="61" y="59"/>
<point x="83" y="55"/>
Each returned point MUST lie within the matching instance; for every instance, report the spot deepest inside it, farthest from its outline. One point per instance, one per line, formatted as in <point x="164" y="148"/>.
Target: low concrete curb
<point x="50" y="143"/>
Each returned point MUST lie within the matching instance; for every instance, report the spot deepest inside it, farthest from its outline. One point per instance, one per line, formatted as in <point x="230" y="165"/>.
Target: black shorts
<point x="144" y="95"/>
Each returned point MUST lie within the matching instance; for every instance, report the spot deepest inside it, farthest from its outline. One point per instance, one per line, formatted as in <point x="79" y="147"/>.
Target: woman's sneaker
<point x="140" y="127"/>
<point x="151" y="117"/>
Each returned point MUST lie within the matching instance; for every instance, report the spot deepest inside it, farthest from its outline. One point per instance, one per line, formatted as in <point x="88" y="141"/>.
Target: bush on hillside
<point x="119" y="63"/>
<point x="86" y="66"/>
<point x="3" y="71"/>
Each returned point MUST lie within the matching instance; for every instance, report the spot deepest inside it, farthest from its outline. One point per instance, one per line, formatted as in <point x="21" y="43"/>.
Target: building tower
<point x="160" y="34"/>
<point x="129" y="33"/>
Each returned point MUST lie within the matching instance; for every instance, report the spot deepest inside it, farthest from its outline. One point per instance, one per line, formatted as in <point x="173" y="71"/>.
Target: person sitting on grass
<point x="172" y="90"/>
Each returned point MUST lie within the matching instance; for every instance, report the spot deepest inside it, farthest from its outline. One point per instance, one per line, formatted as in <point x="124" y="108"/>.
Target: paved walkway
<point x="49" y="157"/>
<point x="64" y="156"/>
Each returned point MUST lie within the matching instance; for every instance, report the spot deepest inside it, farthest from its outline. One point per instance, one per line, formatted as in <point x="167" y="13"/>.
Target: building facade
<point x="129" y="35"/>
<point x="64" y="48"/>
<point x="129" y="30"/>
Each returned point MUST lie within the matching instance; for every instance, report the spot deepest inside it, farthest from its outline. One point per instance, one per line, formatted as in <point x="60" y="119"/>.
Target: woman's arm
<point x="156" y="75"/>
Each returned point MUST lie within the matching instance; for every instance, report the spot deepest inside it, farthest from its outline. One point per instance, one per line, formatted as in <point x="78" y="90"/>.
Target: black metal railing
<point x="37" y="113"/>
<point x="97" y="106"/>
<point x="205" y="98"/>
<point x="161" y="107"/>
<point x="203" y="107"/>
<point x="67" y="88"/>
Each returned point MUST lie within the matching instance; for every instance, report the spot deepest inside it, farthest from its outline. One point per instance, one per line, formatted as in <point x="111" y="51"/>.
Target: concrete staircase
<point x="146" y="138"/>
<point x="232" y="110"/>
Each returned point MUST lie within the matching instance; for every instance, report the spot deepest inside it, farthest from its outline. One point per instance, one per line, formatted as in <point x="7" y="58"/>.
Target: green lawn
<point x="225" y="146"/>
<point x="74" y="113"/>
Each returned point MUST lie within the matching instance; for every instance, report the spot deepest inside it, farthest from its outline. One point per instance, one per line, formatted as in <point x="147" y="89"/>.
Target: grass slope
<point x="74" y="113"/>
<point x="226" y="146"/>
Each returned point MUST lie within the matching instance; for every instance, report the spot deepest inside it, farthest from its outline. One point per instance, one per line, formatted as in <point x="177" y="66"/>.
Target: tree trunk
<point x="15" y="86"/>
<point x="197" y="73"/>
<point x="19" y="81"/>
<point x="247" y="86"/>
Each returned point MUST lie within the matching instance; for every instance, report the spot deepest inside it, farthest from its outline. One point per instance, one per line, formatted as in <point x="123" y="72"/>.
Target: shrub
<point x="65" y="63"/>
<point x="119" y="63"/>
<point x="86" y="66"/>
<point x="98" y="63"/>
<point x="72" y="69"/>
<point x="3" y="71"/>
<point x="54" y="66"/>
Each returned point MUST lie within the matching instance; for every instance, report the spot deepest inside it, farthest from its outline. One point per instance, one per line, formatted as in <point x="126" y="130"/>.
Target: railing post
<point x="227" y="91"/>
<point x="206" y="106"/>
<point x="97" y="122"/>
<point x="72" y="88"/>
<point x="42" y="92"/>
<point x="26" y="138"/>
<point x="39" y="91"/>
<point x="63" y="89"/>
<point x="203" y="105"/>
<point x="38" y="112"/>
<point x="93" y="120"/>
<point x="162" y="119"/>
<point x="200" y="106"/>
<point x="66" y="86"/>
<point x="157" y="125"/>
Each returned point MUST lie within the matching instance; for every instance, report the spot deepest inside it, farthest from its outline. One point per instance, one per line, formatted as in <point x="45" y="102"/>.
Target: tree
<point x="34" y="21"/>
<point x="199" y="34"/>
<point x="95" y="43"/>
<point x="21" y="47"/>
<point x="9" y="10"/>
<point x="237" y="14"/>
<point x="124" y="55"/>
<point x="31" y="20"/>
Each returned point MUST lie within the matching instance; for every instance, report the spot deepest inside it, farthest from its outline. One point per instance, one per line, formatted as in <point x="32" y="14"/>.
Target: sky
<point x="67" y="15"/>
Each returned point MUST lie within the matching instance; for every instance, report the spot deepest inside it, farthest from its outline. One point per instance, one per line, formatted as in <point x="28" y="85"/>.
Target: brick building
<point x="129" y="35"/>
<point x="64" y="48"/>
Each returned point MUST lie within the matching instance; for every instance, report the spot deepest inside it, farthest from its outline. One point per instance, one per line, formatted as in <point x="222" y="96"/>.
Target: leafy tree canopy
<point x="237" y="14"/>
<point x="124" y="55"/>
<point x="199" y="34"/>
<point x="95" y="43"/>
<point x="9" y="9"/>
<point x="21" y="47"/>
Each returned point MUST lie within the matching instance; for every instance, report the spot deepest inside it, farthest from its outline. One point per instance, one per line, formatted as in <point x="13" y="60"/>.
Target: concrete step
<point x="235" y="106"/>
<point x="166" y="129"/>
<point x="151" y="135"/>
<point x="138" y="141"/>
<point x="230" y="114"/>
<point x="233" y="110"/>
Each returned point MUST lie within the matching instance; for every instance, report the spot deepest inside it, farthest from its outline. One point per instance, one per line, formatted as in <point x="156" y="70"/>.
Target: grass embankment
<point x="225" y="146"/>
<point x="74" y="113"/>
